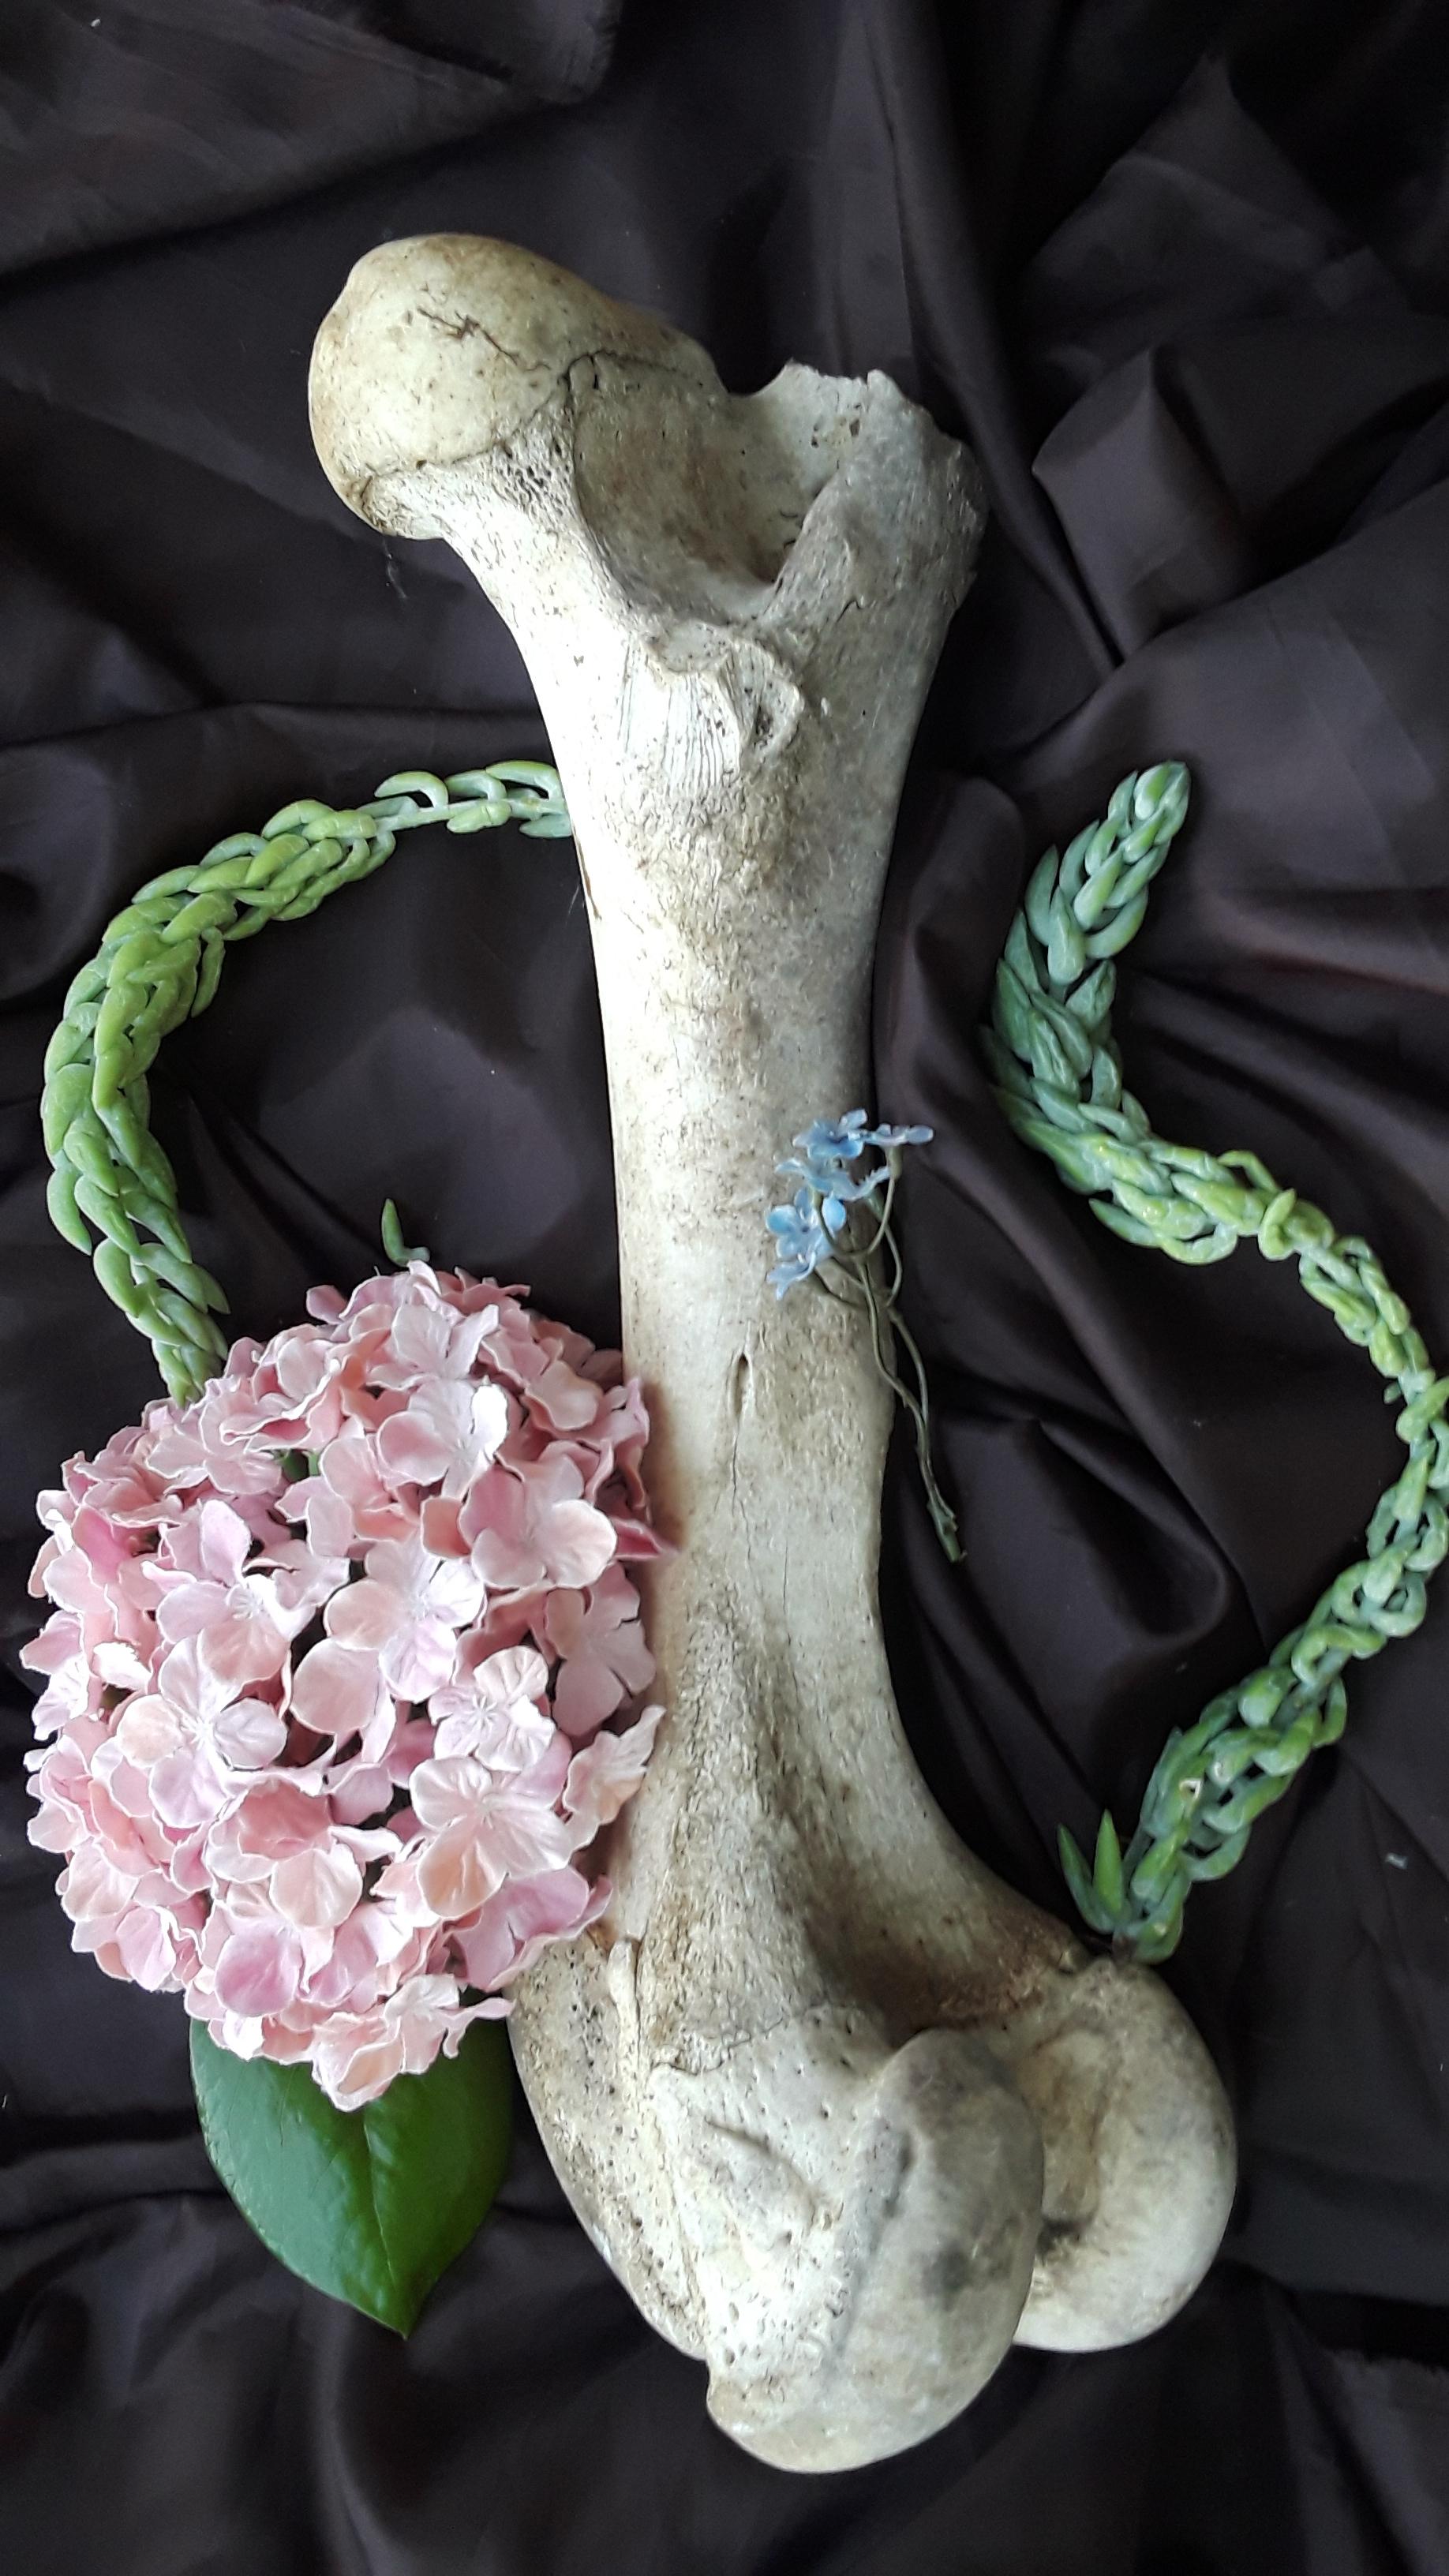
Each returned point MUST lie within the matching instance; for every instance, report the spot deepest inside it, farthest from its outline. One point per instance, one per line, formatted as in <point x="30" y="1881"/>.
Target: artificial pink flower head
<point x="344" y="1674"/>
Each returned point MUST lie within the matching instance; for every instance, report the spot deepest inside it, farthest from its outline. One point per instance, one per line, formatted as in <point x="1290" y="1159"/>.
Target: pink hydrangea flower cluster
<point x="344" y="1671"/>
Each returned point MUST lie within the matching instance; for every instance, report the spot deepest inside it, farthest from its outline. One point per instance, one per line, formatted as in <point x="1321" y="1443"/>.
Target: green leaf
<point x="371" y="2205"/>
<point x="1107" y="1874"/>
<point x="1084" y="1895"/>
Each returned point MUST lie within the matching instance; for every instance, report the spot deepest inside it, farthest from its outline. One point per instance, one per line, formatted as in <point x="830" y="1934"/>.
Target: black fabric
<point x="1182" y="277"/>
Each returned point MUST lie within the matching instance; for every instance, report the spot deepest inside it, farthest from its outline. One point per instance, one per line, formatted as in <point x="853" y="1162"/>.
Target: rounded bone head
<point x="845" y="2113"/>
<point x="444" y="346"/>
<point x="904" y="2186"/>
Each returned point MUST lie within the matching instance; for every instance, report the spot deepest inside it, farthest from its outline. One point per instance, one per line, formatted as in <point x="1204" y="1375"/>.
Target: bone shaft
<point x="706" y="1091"/>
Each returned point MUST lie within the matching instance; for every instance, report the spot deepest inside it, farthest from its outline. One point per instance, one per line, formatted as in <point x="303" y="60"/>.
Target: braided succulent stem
<point x="1059" y="1079"/>
<point x="158" y="964"/>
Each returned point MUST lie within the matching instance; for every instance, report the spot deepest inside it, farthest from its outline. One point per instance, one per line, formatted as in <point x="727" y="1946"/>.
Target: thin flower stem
<point x="898" y="1270"/>
<point x="882" y="1313"/>
<point x="893" y="1171"/>
<point x="941" y="1513"/>
<point x="904" y="1334"/>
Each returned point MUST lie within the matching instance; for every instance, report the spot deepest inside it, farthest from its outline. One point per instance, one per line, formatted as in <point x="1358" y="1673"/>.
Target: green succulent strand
<point x="1059" y="1082"/>
<point x="158" y="964"/>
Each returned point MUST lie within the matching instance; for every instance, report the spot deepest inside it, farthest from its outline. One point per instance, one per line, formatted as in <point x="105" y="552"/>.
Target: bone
<point x="846" y="2114"/>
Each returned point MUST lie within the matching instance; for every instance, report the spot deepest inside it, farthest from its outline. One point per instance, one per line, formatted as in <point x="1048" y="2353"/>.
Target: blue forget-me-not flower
<point x="827" y="1150"/>
<point x="840" y="1163"/>
<point x="803" y="1241"/>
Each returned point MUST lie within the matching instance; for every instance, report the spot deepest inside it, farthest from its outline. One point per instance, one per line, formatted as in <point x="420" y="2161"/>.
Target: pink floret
<point x="345" y="1674"/>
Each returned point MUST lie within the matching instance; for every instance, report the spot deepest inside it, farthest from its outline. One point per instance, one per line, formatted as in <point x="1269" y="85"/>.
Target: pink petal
<point x="411" y="1744"/>
<point x="284" y="2045"/>
<point x="414" y="1449"/>
<point x="585" y="1693"/>
<point x="331" y="1529"/>
<point x="147" y="1946"/>
<point x="637" y="1542"/>
<point x="568" y="1623"/>
<point x="398" y="1565"/>
<point x="507" y="1737"/>
<point x="130" y="1788"/>
<point x="250" y="1734"/>
<point x="50" y="1550"/>
<point x="504" y="1621"/>
<point x="187" y="1788"/>
<point x="350" y="1979"/>
<point x="246" y="1646"/>
<point x="421" y="1337"/>
<point x="365" y="1791"/>
<point x="580" y="1542"/>
<point x="120" y="1667"/>
<point x="99" y="1539"/>
<point x="490" y="2008"/>
<point x="420" y="1659"/>
<point x="55" y="1828"/>
<point x="454" y="1873"/>
<point x="189" y="1873"/>
<point x="566" y="1402"/>
<point x="242" y="2033"/>
<point x="630" y="1657"/>
<point x="352" y="2071"/>
<point x="337" y="1691"/>
<point x="442" y="1791"/>
<point x="190" y="1686"/>
<point x="521" y="1835"/>
<point x="506" y="1564"/>
<point x="495" y="1522"/>
<point x="349" y="1466"/>
<point x="518" y="1672"/>
<point x="454" y="1591"/>
<point x="515" y="1926"/>
<point x="439" y="1525"/>
<point x="121" y="1837"/>
<point x="225" y="1543"/>
<point x="318" y="1887"/>
<point x="488" y="1948"/>
<point x="91" y="1887"/>
<point x="58" y="1642"/>
<point x="259" y="1970"/>
<point x="276" y="1818"/>
<point x="303" y="1360"/>
<point x="366" y="1614"/>
<point x="147" y="1730"/>
<point x="606" y="1774"/>
<point x="302" y="1581"/>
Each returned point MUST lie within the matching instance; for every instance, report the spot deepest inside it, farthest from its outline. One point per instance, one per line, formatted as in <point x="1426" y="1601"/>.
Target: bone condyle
<point x="846" y="2114"/>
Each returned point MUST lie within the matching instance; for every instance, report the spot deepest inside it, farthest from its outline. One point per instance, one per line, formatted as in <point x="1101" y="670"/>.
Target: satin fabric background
<point x="1181" y="275"/>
